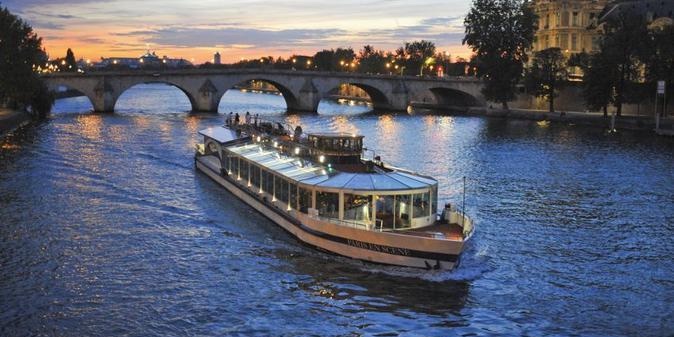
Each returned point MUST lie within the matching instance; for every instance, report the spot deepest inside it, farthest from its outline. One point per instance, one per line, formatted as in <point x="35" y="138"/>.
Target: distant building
<point x="569" y="26"/>
<point x="147" y="60"/>
<point x="216" y="58"/>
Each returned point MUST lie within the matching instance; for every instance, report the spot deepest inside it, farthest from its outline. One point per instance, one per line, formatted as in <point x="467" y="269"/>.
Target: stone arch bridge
<point x="302" y="90"/>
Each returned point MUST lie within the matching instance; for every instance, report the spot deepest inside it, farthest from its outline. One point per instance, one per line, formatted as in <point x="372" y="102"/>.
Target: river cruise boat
<point x="320" y="188"/>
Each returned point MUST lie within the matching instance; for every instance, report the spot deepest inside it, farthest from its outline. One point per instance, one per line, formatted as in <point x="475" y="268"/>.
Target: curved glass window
<point x="403" y="209"/>
<point x="327" y="204"/>
<point x="255" y="175"/>
<point x="267" y="182"/>
<point x="292" y="192"/>
<point x="281" y="189"/>
<point x="357" y="207"/>
<point x="422" y="206"/>
<point x="243" y="170"/>
<point x="304" y="200"/>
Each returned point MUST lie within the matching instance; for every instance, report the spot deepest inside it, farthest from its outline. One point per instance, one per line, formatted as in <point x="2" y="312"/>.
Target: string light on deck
<point x="297" y="150"/>
<point x="321" y="159"/>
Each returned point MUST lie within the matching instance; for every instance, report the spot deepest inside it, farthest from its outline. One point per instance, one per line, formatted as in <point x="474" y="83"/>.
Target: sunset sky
<point x="194" y="30"/>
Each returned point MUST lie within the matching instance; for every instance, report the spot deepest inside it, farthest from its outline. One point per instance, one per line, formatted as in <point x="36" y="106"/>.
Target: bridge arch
<point x="125" y="88"/>
<point x="448" y="97"/>
<point x="287" y="93"/>
<point x="83" y="90"/>
<point x="377" y="98"/>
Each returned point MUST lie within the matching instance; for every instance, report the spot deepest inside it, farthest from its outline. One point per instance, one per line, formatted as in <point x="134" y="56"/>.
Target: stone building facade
<point x="568" y="25"/>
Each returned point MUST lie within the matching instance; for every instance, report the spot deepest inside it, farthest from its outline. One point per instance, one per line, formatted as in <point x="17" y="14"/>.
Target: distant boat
<point x="319" y="188"/>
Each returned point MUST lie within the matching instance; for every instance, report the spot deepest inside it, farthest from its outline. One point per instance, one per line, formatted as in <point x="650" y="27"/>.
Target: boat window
<point x="422" y="205"/>
<point x="357" y="207"/>
<point x="434" y="199"/>
<point x="225" y="160"/>
<point x="304" y="200"/>
<point x="281" y="189"/>
<point x="328" y="204"/>
<point x="267" y="182"/>
<point x="235" y="167"/>
<point x="292" y="191"/>
<point x="255" y="175"/>
<point x="243" y="169"/>
<point x="386" y="210"/>
<point x="402" y="210"/>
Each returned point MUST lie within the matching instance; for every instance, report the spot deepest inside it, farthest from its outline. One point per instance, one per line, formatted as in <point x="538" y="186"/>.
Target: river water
<point x="107" y="230"/>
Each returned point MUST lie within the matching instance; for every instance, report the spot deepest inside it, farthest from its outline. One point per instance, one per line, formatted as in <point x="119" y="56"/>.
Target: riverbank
<point x="10" y="120"/>
<point x="625" y="122"/>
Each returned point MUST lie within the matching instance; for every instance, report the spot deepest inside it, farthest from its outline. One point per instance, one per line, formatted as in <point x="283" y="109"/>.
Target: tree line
<point x="413" y="58"/>
<point x="630" y="60"/>
<point x="21" y="51"/>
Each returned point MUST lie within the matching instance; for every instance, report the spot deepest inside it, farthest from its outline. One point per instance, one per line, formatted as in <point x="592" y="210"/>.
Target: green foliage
<point x="547" y="74"/>
<point x="659" y="60"/>
<point x="371" y="60"/>
<point x="623" y="46"/>
<point x="500" y="32"/>
<point x="22" y="53"/>
<point x="597" y="79"/>
<point x="334" y="59"/>
<point x="416" y="55"/>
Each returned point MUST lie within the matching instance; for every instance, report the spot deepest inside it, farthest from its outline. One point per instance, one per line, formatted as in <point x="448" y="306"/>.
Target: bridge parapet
<point x="302" y="90"/>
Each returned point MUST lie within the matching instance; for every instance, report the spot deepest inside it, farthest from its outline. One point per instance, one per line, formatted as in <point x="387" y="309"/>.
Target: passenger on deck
<point x="236" y="119"/>
<point x="255" y="119"/>
<point x="247" y="118"/>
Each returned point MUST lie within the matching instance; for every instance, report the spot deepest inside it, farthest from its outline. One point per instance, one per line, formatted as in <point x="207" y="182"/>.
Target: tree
<point x="22" y="54"/>
<point x="334" y="59"/>
<point x="597" y="80"/>
<point x="660" y="60"/>
<point x="500" y="32"/>
<point x="547" y="74"/>
<point x="418" y="54"/>
<point x="71" y="63"/>
<point x="371" y="60"/>
<point x="623" y="45"/>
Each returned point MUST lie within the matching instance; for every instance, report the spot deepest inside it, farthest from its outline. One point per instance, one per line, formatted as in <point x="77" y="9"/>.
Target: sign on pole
<point x="661" y="87"/>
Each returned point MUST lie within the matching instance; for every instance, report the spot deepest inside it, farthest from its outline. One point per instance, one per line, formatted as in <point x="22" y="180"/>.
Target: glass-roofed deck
<point x="389" y="199"/>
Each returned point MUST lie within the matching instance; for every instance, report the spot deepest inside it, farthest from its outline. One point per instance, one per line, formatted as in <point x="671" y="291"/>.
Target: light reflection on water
<point x="107" y="230"/>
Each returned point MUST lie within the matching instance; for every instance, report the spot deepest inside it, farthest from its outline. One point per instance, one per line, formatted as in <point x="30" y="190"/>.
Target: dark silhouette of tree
<point x="623" y="44"/>
<point x="500" y="32"/>
<point x="371" y="60"/>
<point x="71" y="63"/>
<point x="659" y="59"/>
<point x="597" y="85"/>
<point x="547" y="74"/>
<point x="22" y="54"/>
<point x="418" y="54"/>
<point x="334" y="59"/>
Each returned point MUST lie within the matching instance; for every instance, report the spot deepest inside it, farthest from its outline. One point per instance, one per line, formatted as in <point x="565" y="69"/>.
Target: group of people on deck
<point x="234" y="119"/>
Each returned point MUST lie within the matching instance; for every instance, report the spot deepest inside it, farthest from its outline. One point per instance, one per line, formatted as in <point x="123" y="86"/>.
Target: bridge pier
<point x="104" y="102"/>
<point x="207" y="99"/>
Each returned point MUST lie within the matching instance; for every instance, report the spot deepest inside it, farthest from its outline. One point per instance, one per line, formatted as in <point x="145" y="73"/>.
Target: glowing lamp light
<point x="258" y="138"/>
<point x="275" y="144"/>
<point x="321" y="158"/>
<point x="297" y="150"/>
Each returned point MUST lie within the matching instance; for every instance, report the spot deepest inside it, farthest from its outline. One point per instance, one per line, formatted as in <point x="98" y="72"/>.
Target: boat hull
<point x="373" y="246"/>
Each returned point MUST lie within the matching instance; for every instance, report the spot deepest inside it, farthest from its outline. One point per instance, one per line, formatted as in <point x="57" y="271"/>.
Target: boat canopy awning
<point x="219" y="134"/>
<point x="314" y="175"/>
